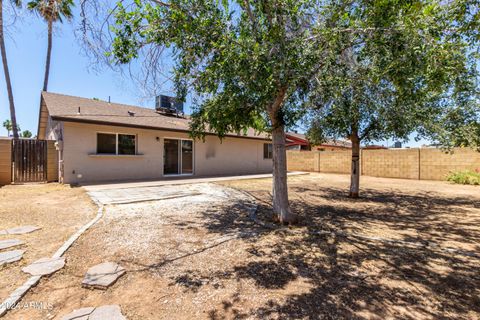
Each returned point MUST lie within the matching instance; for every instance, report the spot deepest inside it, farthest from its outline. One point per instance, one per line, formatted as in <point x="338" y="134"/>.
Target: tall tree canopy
<point x="395" y="67"/>
<point x="249" y="63"/>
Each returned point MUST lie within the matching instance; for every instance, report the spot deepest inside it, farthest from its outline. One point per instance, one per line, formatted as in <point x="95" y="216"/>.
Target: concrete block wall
<point x="423" y="163"/>
<point x="335" y="161"/>
<point x="436" y="164"/>
<point x="391" y="163"/>
<point x="302" y="161"/>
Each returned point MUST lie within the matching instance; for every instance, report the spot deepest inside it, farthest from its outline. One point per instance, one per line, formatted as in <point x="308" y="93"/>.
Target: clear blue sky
<point x="69" y="74"/>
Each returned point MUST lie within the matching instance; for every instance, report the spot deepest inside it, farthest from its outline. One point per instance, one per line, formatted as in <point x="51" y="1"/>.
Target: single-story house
<point x="298" y="141"/>
<point x="103" y="141"/>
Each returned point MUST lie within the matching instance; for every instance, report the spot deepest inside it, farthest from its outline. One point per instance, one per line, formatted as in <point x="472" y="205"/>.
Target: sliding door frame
<point x="180" y="157"/>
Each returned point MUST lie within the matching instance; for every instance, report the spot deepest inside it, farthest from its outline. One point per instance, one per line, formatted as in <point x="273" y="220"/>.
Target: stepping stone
<point x="102" y="275"/>
<point x="10" y="256"/>
<point x="45" y="266"/>
<point x="8" y="243"/>
<point x="19" y="230"/>
<point x="110" y="312"/>
<point x="80" y="314"/>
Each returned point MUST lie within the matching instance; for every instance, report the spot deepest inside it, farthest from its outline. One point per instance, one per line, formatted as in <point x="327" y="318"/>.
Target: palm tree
<point x="6" y="72"/>
<point x="52" y="11"/>
<point x="7" y="124"/>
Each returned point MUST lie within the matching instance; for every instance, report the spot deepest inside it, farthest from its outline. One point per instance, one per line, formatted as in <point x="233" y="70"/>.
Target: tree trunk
<point x="7" y="76"/>
<point x="355" y="174"/>
<point x="280" y="189"/>
<point x="49" y="53"/>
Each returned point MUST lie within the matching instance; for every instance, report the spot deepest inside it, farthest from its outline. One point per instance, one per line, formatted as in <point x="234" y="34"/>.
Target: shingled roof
<point x="330" y="142"/>
<point x="76" y="109"/>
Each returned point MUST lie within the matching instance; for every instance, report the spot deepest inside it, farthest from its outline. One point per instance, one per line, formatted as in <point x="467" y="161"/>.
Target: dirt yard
<point x="405" y="250"/>
<point x="58" y="210"/>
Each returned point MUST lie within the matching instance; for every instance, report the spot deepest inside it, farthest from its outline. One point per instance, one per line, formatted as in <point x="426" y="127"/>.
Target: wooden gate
<point x="29" y="160"/>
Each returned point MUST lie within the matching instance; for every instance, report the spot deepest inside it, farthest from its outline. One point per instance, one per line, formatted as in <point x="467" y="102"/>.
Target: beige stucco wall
<point x="232" y="156"/>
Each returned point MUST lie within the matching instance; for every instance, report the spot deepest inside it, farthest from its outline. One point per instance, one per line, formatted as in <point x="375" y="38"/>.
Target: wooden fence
<point x="28" y="160"/>
<point x="5" y="161"/>
<point x="418" y="163"/>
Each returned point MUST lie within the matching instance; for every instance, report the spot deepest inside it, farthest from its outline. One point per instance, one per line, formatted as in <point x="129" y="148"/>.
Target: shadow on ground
<point x="304" y="273"/>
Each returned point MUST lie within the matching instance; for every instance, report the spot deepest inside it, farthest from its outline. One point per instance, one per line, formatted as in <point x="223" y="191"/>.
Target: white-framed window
<point x="267" y="151"/>
<point x="116" y="143"/>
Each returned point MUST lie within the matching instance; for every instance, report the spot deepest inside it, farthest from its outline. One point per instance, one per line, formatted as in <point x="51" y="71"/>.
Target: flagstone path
<point x="45" y="266"/>
<point x="103" y="275"/>
<point x="8" y="243"/>
<point x="110" y="312"/>
<point x="19" y="230"/>
<point x="10" y="256"/>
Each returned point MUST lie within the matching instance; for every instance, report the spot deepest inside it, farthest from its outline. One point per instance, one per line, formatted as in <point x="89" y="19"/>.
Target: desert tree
<point x="6" y="71"/>
<point x="51" y="11"/>
<point x="398" y="65"/>
<point x="249" y="63"/>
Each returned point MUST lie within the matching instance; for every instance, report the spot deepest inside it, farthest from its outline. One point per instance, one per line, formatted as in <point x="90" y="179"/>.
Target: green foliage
<point x="7" y="124"/>
<point x="26" y="134"/>
<point x="247" y="63"/>
<point x="52" y="10"/>
<point x="465" y="177"/>
<point x="400" y="66"/>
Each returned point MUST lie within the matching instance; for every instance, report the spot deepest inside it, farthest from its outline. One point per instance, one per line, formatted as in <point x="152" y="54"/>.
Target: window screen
<point x="126" y="144"/>
<point x="106" y="143"/>
<point x="267" y="151"/>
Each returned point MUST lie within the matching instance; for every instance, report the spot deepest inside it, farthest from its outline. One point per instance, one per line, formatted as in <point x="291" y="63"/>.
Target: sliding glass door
<point x="177" y="157"/>
<point x="187" y="157"/>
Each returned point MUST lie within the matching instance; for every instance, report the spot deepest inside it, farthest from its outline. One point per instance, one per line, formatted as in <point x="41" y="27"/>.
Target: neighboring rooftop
<point x="76" y="109"/>
<point x="330" y="142"/>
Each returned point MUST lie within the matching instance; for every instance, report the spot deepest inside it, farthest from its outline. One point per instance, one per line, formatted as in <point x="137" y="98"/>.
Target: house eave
<point x="115" y="124"/>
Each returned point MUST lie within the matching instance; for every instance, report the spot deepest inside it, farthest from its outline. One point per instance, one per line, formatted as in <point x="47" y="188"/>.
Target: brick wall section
<point x="425" y="164"/>
<point x="436" y="164"/>
<point x="391" y="163"/>
<point x="335" y="161"/>
<point x="52" y="162"/>
<point x="5" y="161"/>
<point x="302" y="161"/>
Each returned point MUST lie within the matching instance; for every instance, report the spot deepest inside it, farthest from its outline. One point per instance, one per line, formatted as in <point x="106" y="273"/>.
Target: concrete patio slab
<point x="176" y="181"/>
<point x="10" y="256"/>
<point x="131" y="192"/>
<point x="45" y="266"/>
<point x="102" y="275"/>
<point x="8" y="243"/>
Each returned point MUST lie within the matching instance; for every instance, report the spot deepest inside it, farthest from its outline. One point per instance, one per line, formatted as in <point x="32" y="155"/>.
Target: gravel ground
<point x="201" y="257"/>
<point x="57" y="209"/>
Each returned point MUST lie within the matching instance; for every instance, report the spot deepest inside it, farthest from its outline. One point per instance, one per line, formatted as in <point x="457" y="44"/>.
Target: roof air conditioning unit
<point x="168" y="105"/>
